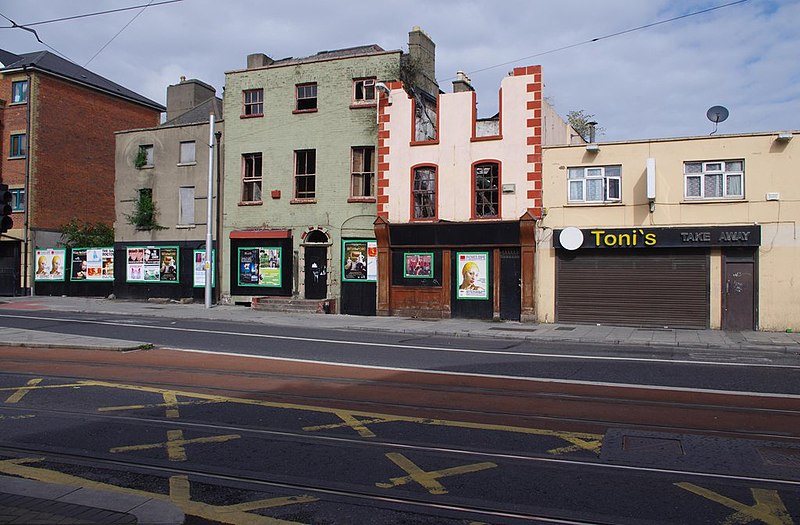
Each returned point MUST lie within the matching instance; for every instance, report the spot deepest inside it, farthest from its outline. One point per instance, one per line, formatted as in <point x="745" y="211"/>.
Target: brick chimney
<point x="185" y="95"/>
<point x="462" y="83"/>
<point x="257" y="60"/>
<point x="422" y="51"/>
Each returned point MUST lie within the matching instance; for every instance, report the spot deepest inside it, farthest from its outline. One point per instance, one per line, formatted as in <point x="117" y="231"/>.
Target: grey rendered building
<point x="300" y="162"/>
<point x="167" y="166"/>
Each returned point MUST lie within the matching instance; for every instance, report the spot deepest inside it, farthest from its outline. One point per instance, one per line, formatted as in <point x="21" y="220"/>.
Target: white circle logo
<point x="571" y="238"/>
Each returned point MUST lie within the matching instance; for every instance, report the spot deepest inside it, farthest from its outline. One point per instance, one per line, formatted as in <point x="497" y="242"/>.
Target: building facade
<point x="458" y="206"/>
<point x="161" y="190"/>
<point x="300" y="162"/>
<point x="696" y="232"/>
<point x="57" y="124"/>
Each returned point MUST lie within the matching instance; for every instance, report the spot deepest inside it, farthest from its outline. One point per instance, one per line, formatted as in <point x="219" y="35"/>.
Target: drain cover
<point x="784" y="457"/>
<point x="652" y="445"/>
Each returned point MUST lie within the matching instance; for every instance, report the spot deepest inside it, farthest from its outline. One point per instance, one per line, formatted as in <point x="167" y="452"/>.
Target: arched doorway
<point x="315" y="247"/>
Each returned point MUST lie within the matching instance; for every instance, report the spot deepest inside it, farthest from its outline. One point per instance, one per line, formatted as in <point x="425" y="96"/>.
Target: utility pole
<point x="209" y="207"/>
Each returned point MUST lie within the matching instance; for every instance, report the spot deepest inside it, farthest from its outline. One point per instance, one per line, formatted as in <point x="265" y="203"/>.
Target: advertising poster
<point x="260" y="267"/>
<point x="360" y="261"/>
<point x="152" y="265"/>
<point x="50" y="264"/>
<point x="200" y="268"/>
<point x="472" y="272"/>
<point x="92" y="264"/>
<point x="418" y="265"/>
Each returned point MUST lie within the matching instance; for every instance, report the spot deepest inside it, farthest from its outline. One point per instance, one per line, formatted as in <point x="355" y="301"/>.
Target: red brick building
<point x="57" y="152"/>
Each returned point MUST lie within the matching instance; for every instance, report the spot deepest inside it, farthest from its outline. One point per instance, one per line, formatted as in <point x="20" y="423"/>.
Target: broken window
<point x="364" y="90"/>
<point x="362" y="176"/>
<point x="486" y="179"/>
<point x="251" y="177"/>
<point x="424" y="192"/>
<point x="305" y="174"/>
<point x="306" y="96"/>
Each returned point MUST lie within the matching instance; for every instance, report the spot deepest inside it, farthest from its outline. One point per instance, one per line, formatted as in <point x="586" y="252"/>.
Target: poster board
<point x="360" y="260"/>
<point x="92" y="264"/>
<point x="151" y="264"/>
<point x="50" y="264"/>
<point x="260" y="266"/>
<point x="472" y="270"/>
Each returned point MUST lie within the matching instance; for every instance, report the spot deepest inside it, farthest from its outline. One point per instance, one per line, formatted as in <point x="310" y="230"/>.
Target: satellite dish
<point x="717" y="114"/>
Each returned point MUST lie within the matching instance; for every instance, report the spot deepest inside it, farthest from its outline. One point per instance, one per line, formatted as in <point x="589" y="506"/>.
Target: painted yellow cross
<point x="768" y="509"/>
<point x="349" y="420"/>
<point x="171" y="403"/>
<point x="427" y="479"/>
<point x="23" y="391"/>
<point x="175" y="444"/>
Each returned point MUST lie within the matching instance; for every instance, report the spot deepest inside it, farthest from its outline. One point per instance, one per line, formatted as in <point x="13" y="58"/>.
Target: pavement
<point x="26" y="501"/>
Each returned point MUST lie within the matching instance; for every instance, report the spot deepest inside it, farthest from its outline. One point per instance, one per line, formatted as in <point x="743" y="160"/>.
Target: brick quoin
<point x="74" y="157"/>
<point x="534" y="139"/>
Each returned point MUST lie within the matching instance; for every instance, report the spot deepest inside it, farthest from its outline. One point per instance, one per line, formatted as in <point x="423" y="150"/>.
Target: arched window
<point x="316" y="237"/>
<point x="424" y="192"/>
<point x="485" y="187"/>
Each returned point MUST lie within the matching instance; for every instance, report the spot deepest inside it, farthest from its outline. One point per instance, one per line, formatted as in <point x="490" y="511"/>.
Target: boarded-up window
<point x="187" y="153"/>
<point x="186" y="209"/>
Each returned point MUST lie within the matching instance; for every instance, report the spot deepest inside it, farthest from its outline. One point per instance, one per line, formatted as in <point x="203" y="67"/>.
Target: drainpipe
<point x="218" y="273"/>
<point x="26" y="187"/>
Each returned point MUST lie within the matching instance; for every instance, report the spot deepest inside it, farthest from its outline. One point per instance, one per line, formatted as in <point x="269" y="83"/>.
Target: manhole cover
<point x="665" y="446"/>
<point x="784" y="457"/>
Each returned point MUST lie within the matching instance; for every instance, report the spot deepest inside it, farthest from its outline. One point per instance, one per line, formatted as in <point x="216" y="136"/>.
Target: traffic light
<point x="6" y="222"/>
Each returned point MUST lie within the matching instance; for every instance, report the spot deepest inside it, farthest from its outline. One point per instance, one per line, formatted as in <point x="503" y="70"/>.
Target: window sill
<point x="362" y="199"/>
<point x="18" y="103"/>
<point x="484" y="219"/>
<point x="486" y="138"/>
<point x="580" y="204"/>
<point x="185" y="226"/>
<point x="428" y="219"/>
<point x="361" y="105"/>
<point x="256" y="115"/>
<point x="147" y="167"/>
<point x="181" y="164"/>
<point x="251" y="203"/>
<point x="424" y="142"/>
<point x="717" y="200"/>
<point x="303" y="201"/>
<point x="300" y="111"/>
<point x="17" y="157"/>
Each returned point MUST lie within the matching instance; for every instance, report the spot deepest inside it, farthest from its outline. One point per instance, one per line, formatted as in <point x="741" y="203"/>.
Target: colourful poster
<point x="152" y="265"/>
<point x="260" y="267"/>
<point x="372" y="261"/>
<point x="135" y="264"/>
<point x="92" y="264"/>
<point x="418" y="265"/>
<point x="50" y="264"/>
<point x="200" y="268"/>
<point x="169" y="264"/>
<point x="360" y="260"/>
<point x="472" y="274"/>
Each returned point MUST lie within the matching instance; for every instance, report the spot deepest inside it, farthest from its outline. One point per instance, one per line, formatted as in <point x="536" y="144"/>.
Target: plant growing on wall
<point x="141" y="158"/>
<point x="76" y="234"/>
<point x="144" y="212"/>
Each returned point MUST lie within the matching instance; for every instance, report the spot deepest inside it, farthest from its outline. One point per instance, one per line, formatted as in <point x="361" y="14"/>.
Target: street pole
<point x="209" y="207"/>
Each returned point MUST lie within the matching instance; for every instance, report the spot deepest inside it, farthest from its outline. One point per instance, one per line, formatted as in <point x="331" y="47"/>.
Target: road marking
<point x="390" y="345"/>
<point x="23" y="391"/>
<point x="163" y="405"/>
<point x="175" y="444"/>
<point x="768" y="508"/>
<point x="427" y="479"/>
<point x="578" y="443"/>
<point x="171" y="402"/>
<point x="9" y="418"/>
<point x="349" y="420"/>
<point x="179" y="489"/>
<point x="214" y="513"/>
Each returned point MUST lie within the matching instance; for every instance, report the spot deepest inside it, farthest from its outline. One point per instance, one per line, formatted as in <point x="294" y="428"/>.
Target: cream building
<point x="684" y="232"/>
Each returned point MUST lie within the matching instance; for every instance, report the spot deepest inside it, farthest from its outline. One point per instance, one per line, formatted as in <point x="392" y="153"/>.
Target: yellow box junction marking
<point x="236" y="514"/>
<point x="428" y="479"/>
<point x="23" y="391"/>
<point x="175" y="444"/>
<point x="9" y="418"/>
<point x="170" y="403"/>
<point x="359" y="425"/>
<point x="577" y="440"/>
<point x="768" y="508"/>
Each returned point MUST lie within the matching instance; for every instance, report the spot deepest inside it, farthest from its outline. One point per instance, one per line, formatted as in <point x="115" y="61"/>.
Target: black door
<point x="510" y="284"/>
<point x="738" y="291"/>
<point x="316" y="272"/>
<point x="9" y="268"/>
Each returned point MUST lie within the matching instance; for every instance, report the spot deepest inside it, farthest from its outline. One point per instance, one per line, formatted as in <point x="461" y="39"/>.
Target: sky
<point x="654" y="82"/>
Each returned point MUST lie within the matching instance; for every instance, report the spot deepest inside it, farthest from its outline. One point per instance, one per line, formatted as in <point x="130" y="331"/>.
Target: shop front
<point x="658" y="277"/>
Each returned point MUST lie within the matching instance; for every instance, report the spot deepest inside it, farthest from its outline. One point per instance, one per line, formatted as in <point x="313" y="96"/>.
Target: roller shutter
<point x="638" y="287"/>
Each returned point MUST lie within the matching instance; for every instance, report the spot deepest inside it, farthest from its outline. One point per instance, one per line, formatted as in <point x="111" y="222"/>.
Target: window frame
<point x="257" y="160"/>
<point x="497" y="189"/>
<point x="181" y="160"/>
<point x="18" y="145"/>
<point x="17" y="199"/>
<point x="23" y="91"/>
<point x="722" y="172"/>
<point x="355" y="175"/>
<point x="364" y="100"/>
<point x="249" y="106"/>
<point x="434" y="192"/>
<point x="306" y="195"/>
<point x="298" y="98"/>
<point x="605" y="178"/>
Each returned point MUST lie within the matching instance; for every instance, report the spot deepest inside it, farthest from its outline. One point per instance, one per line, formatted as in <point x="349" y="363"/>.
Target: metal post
<point x="209" y="207"/>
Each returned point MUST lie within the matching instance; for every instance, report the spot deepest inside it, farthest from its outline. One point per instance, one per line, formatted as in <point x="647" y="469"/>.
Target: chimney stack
<point x="185" y="95"/>
<point x="257" y="60"/>
<point x="462" y="83"/>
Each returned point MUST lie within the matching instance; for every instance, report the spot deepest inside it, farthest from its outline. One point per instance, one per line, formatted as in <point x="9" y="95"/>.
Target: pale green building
<point x="300" y="164"/>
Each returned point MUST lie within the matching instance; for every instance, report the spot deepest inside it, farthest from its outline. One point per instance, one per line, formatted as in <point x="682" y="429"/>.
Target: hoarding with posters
<point x="360" y="260"/>
<point x="149" y="264"/>
<point x="260" y="266"/>
<point x="418" y="265"/>
<point x="472" y="271"/>
<point x="50" y="264"/>
<point x="92" y="264"/>
<point x="199" y="259"/>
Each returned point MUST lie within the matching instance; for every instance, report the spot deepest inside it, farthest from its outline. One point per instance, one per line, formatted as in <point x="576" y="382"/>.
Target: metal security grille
<point x="649" y="288"/>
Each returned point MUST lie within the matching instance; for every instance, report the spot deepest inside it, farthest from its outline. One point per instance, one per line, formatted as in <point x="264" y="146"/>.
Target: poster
<point x="152" y="265"/>
<point x="92" y="264"/>
<point x="50" y="264"/>
<point x="360" y="260"/>
<point x="472" y="272"/>
<point x="200" y="268"/>
<point x="418" y="265"/>
<point x="260" y="267"/>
